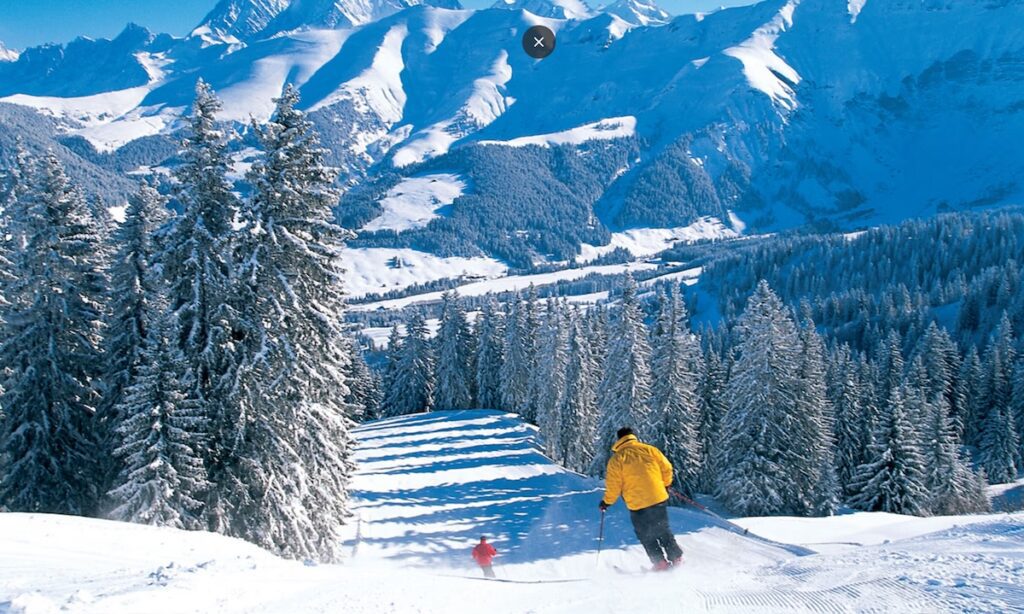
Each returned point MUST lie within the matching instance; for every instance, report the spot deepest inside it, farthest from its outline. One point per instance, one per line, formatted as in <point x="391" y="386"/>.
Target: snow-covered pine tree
<point x="999" y="449"/>
<point x="971" y="382"/>
<point x="392" y="356"/>
<point x="286" y="478"/>
<point x="624" y="393"/>
<point x="713" y="404"/>
<point x="548" y="379"/>
<point x="134" y="286"/>
<point x="1017" y="403"/>
<point x="814" y="425"/>
<point x="412" y="386"/>
<point x="197" y="267"/>
<point x="894" y="480"/>
<point x="1000" y="445"/>
<point x="162" y="480"/>
<point x="364" y="387"/>
<point x="490" y="334"/>
<point x="889" y="364"/>
<point x="941" y="361"/>
<point x="579" y="403"/>
<point x="676" y="361"/>
<point x="761" y="455"/>
<point x="953" y="488"/>
<point x="50" y="352"/>
<point x="530" y="335"/>
<point x="453" y="385"/>
<point x="518" y="364"/>
<point x="845" y="393"/>
<point x="869" y="408"/>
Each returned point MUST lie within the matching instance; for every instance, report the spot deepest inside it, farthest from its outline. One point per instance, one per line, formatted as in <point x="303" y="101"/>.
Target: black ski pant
<point x="651" y="526"/>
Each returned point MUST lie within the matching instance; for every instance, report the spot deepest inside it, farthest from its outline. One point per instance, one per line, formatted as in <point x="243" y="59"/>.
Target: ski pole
<point x="600" y="539"/>
<point x="689" y="501"/>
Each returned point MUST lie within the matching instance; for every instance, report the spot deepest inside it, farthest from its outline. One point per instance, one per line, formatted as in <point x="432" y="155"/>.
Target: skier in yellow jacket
<point x="641" y="475"/>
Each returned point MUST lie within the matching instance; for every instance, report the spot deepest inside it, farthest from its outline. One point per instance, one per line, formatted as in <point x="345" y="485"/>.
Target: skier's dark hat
<point x="626" y="430"/>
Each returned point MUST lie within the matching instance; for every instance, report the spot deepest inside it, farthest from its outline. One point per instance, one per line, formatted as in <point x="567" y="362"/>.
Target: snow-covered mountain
<point x="638" y="13"/>
<point x="311" y="14"/>
<point x="554" y="9"/>
<point x="7" y="55"/>
<point x="239" y="19"/>
<point x="783" y="113"/>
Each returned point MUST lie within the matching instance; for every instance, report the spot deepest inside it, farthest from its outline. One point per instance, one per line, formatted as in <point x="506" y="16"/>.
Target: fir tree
<point x="50" y="353"/>
<point x="890" y="365"/>
<point x="814" y="426"/>
<point x="133" y="289"/>
<point x="162" y="480"/>
<point x="941" y="361"/>
<point x="412" y="386"/>
<point x="894" y="480"/>
<point x="530" y="339"/>
<point x="971" y="382"/>
<point x="579" y="403"/>
<point x="392" y="356"/>
<point x="516" y="370"/>
<point x="1017" y="403"/>
<point x="625" y="390"/>
<point x="364" y="386"/>
<point x="761" y="459"/>
<point x="999" y="445"/>
<point x="286" y="479"/>
<point x="713" y="406"/>
<point x="197" y="267"/>
<point x="675" y="410"/>
<point x="548" y="379"/>
<point x="490" y="332"/>
<point x="953" y="487"/>
<point x="845" y="392"/>
<point x="453" y="382"/>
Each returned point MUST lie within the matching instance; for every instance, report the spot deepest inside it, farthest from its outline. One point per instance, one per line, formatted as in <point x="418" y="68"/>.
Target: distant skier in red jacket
<point x="483" y="554"/>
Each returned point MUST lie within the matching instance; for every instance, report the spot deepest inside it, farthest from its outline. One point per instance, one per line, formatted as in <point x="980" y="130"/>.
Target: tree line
<point x="188" y="370"/>
<point x="765" y="411"/>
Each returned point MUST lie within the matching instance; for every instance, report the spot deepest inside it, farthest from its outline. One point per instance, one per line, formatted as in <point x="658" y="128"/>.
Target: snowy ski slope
<point x="429" y="485"/>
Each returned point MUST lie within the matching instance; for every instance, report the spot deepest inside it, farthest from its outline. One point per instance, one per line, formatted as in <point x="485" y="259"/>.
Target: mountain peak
<point x="239" y="19"/>
<point x="638" y="12"/>
<point x="300" y="14"/>
<point x="7" y="55"/>
<point x="555" y="9"/>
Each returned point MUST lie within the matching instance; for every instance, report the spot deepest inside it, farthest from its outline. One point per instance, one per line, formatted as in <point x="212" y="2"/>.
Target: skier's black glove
<point x="602" y="505"/>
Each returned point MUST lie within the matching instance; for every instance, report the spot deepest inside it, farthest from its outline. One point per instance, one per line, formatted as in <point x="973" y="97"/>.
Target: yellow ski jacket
<point x="638" y="472"/>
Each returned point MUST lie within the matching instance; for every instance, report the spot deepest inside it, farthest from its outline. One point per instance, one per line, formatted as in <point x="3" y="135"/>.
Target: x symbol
<point x="538" y="42"/>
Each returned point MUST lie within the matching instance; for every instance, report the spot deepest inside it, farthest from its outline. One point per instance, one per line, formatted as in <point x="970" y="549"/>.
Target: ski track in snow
<point x="429" y="485"/>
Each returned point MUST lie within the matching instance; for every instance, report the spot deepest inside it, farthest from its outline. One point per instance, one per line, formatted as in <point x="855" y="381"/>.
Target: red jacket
<point x="484" y="553"/>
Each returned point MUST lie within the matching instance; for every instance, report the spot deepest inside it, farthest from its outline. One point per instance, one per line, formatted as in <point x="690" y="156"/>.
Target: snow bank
<point x="611" y="128"/>
<point x="642" y="242"/>
<point x="375" y="269"/>
<point x="415" y="201"/>
<point x="505" y="284"/>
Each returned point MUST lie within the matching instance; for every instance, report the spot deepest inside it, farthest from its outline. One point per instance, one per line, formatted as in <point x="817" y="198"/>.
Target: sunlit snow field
<point x="429" y="485"/>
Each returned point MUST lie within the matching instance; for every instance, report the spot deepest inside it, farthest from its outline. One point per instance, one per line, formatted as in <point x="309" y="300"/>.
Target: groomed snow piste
<point x="429" y="485"/>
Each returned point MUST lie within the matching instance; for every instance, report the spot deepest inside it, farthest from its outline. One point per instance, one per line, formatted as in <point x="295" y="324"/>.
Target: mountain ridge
<point x="787" y="114"/>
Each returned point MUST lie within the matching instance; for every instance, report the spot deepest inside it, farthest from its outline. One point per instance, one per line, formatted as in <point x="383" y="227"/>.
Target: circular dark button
<point x="539" y="42"/>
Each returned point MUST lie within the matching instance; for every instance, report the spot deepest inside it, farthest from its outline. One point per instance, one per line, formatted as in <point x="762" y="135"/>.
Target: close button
<point x="539" y="42"/>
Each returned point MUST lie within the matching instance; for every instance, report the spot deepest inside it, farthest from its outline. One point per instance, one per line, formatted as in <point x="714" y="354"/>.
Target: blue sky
<point x="24" y="23"/>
